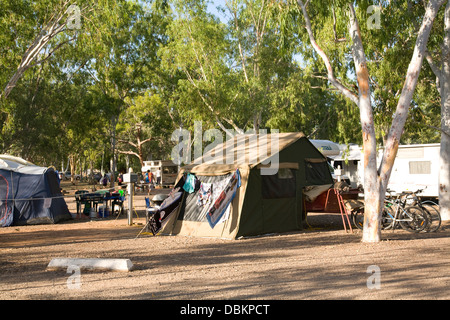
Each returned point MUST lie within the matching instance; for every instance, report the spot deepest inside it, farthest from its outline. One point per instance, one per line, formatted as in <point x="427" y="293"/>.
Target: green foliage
<point x="166" y="64"/>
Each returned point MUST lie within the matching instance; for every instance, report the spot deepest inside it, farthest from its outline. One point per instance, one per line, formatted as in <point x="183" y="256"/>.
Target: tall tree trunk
<point x="371" y="230"/>
<point x="72" y="167"/>
<point x="401" y="113"/>
<point x="114" y="120"/>
<point x="444" y="172"/>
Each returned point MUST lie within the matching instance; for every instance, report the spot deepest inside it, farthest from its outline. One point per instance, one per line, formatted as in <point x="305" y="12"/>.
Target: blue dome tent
<point x="29" y="194"/>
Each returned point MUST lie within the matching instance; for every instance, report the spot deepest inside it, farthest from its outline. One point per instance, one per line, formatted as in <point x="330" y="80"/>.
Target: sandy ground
<point x="321" y="262"/>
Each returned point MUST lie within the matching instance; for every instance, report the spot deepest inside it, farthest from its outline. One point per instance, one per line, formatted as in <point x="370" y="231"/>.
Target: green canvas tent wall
<point x="263" y="203"/>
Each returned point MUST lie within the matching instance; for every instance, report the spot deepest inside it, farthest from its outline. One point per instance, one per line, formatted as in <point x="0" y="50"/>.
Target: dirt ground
<point x="321" y="262"/>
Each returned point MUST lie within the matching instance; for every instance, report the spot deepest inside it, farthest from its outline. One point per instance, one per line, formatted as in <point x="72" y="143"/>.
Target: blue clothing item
<point x="189" y="185"/>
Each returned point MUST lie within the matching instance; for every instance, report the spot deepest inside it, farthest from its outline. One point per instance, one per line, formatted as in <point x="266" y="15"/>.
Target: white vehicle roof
<point x="327" y="147"/>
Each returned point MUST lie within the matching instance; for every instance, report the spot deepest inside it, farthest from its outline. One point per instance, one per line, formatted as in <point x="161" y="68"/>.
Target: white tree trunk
<point x="371" y="230"/>
<point x="444" y="172"/>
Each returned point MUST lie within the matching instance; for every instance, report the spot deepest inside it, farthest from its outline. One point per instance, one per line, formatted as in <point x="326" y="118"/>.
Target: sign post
<point x="130" y="178"/>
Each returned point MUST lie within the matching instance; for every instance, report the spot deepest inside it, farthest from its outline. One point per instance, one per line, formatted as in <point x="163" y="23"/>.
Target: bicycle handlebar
<point x="418" y="191"/>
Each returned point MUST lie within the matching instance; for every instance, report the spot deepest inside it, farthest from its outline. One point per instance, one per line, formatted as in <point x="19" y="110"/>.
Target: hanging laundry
<point x="204" y="194"/>
<point x="222" y="199"/>
<point x="189" y="185"/>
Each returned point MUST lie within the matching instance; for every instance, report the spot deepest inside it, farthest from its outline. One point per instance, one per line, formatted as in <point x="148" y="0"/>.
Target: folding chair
<point x="343" y="210"/>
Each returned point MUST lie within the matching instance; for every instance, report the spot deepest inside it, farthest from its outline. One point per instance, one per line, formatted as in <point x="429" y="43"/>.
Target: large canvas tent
<point x="29" y="194"/>
<point x="263" y="203"/>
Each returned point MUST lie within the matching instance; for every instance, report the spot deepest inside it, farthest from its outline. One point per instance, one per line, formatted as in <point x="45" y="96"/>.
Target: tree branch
<point x="128" y="152"/>
<point x="334" y="29"/>
<point x="127" y="141"/>
<point x="47" y="33"/>
<point x="145" y="141"/>
<point x="51" y="53"/>
<point x="436" y="70"/>
<point x="239" y="41"/>
<point x="344" y="90"/>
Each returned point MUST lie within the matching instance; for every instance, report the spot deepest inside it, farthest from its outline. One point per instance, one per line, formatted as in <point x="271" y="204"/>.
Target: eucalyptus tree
<point x="144" y="128"/>
<point x="232" y="69"/>
<point x="375" y="180"/>
<point x="438" y="57"/>
<point x="38" y="44"/>
<point x="125" y="59"/>
<point x="31" y="31"/>
<point x="197" y="47"/>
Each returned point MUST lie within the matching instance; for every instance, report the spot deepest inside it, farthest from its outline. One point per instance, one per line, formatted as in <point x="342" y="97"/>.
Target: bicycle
<point x="430" y="207"/>
<point x="396" y="212"/>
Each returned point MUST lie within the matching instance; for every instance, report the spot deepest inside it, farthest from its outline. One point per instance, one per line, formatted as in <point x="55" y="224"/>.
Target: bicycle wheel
<point x="387" y="217"/>
<point x="358" y="218"/>
<point x="434" y="217"/>
<point x="413" y="219"/>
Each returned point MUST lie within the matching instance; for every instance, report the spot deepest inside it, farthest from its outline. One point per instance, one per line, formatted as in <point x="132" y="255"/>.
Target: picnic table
<point x="90" y="200"/>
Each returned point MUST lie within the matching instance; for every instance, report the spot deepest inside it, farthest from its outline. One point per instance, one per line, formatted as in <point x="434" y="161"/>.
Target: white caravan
<point x="416" y="167"/>
<point x="169" y="170"/>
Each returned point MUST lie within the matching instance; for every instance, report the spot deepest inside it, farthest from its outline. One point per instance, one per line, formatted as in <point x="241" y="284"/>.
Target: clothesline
<point x="32" y="199"/>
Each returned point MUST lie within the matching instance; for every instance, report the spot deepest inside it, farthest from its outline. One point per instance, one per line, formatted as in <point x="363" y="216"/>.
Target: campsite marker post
<point x="130" y="178"/>
<point x="338" y="173"/>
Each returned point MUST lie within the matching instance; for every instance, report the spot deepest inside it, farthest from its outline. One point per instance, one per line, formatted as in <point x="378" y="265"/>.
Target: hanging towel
<point x="223" y="200"/>
<point x="189" y="185"/>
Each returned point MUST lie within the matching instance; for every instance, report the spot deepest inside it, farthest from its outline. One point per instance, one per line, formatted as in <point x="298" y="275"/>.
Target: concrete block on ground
<point x="92" y="264"/>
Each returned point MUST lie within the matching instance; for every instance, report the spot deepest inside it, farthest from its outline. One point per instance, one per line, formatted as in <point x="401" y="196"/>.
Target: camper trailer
<point x="416" y="167"/>
<point x="169" y="170"/>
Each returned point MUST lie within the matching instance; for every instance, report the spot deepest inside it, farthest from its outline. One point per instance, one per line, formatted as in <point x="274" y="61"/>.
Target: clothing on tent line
<point x="204" y="194"/>
<point x="215" y="197"/>
<point x="189" y="185"/>
<point x="220" y="208"/>
<point x="167" y="208"/>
